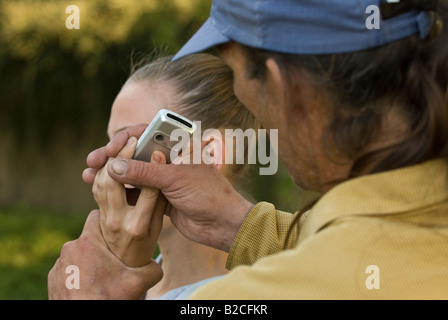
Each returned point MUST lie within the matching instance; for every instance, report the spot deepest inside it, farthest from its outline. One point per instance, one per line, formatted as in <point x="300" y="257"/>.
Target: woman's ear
<point x="213" y="148"/>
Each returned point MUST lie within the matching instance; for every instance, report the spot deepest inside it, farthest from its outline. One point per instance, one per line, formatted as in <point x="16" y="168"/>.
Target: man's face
<point x="300" y="113"/>
<point x="250" y="92"/>
<point x="267" y="101"/>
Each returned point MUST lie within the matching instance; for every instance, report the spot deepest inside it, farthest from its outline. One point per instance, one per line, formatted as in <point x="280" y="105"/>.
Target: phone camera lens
<point x="159" y="137"/>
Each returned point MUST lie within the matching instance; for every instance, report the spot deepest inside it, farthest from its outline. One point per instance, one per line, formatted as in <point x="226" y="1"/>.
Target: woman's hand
<point x="130" y="230"/>
<point x="203" y="205"/>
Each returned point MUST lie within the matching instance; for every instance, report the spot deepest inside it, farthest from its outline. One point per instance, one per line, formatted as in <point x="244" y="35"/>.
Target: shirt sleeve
<point x="262" y="233"/>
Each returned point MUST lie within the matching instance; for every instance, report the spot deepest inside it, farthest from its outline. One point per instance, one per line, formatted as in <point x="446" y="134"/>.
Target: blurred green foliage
<point x="59" y="80"/>
<point x="30" y="243"/>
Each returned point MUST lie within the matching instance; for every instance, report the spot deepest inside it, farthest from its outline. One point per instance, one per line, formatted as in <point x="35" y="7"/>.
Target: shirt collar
<point x="385" y="193"/>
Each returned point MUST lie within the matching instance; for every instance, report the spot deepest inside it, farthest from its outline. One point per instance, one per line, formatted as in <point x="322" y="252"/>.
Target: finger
<point x="112" y="201"/>
<point x="108" y="193"/>
<point x="120" y="139"/>
<point x="145" y="277"/>
<point x="115" y="191"/>
<point x="97" y="158"/>
<point x="158" y="157"/>
<point x="129" y="149"/>
<point x="116" y="202"/>
<point x="88" y="175"/>
<point x="148" y="198"/>
<point x="99" y="189"/>
<point x="144" y="211"/>
<point x="156" y="224"/>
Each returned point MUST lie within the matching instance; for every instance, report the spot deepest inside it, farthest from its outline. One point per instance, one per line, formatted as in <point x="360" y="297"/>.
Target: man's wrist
<point x="234" y="221"/>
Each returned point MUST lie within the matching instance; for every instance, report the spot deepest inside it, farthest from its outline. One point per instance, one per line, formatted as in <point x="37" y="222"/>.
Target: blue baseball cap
<point x="304" y="26"/>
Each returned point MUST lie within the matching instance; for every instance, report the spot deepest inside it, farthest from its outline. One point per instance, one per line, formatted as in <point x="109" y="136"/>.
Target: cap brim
<point x="206" y="37"/>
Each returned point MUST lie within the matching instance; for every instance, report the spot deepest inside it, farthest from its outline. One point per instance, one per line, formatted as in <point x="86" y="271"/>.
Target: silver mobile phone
<point x="158" y="135"/>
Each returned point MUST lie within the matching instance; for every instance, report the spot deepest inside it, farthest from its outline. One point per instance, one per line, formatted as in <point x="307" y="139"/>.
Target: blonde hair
<point x="203" y="86"/>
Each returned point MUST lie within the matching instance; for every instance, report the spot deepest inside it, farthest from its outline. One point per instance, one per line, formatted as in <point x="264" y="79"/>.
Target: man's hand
<point x="102" y="275"/>
<point x="97" y="159"/>
<point x="203" y="204"/>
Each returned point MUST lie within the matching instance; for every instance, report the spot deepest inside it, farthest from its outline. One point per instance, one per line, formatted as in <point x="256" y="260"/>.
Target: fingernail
<point x="156" y="158"/>
<point x="130" y="142"/>
<point x="119" y="166"/>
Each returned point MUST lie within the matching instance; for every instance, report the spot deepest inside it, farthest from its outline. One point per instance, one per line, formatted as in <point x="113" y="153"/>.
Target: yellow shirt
<point x="382" y="236"/>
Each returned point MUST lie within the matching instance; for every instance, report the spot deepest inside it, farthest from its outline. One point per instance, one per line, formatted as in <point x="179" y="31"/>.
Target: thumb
<point x="140" y="173"/>
<point x="143" y="278"/>
<point x="92" y="224"/>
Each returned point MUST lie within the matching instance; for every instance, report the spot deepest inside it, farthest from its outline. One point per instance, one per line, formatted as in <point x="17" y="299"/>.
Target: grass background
<point x="30" y="243"/>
